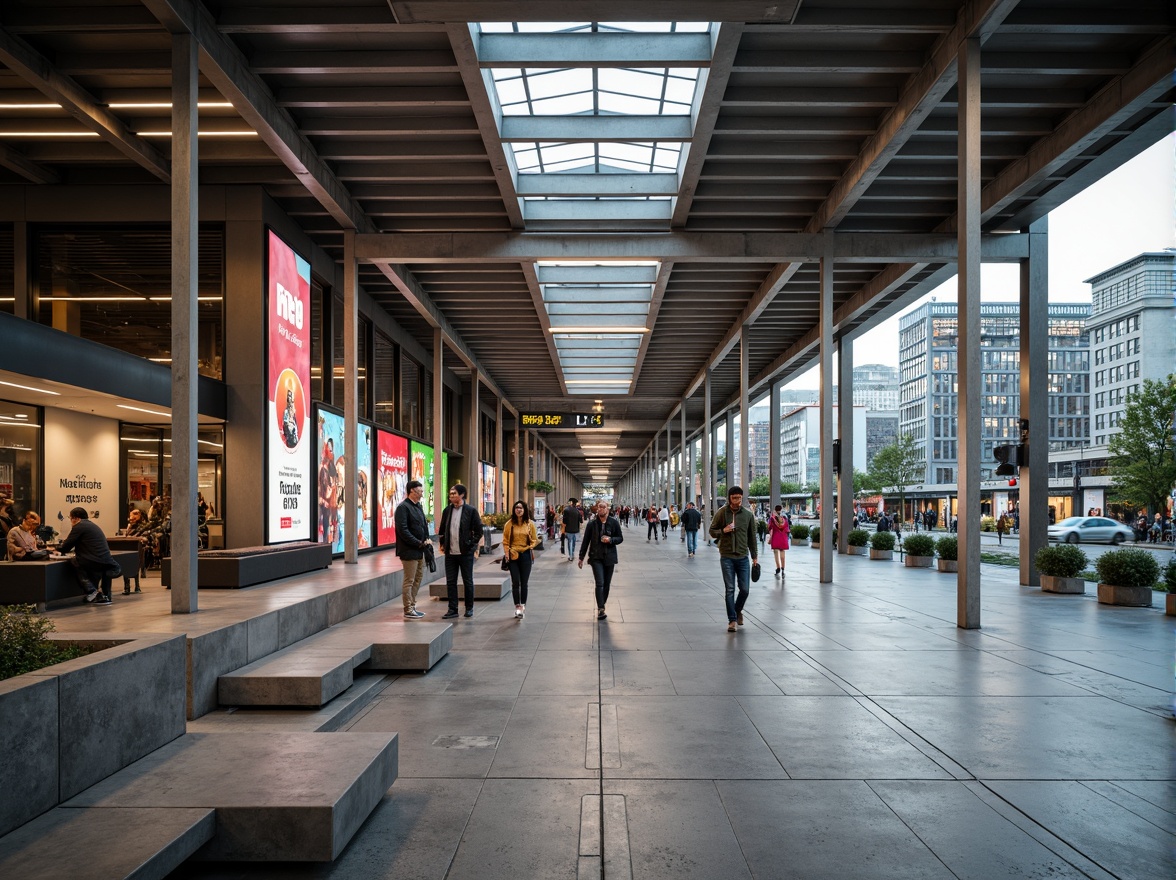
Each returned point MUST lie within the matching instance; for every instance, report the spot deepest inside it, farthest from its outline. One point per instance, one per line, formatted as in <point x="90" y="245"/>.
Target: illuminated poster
<point x="489" y="490"/>
<point x="392" y="471"/>
<point x="364" y="486"/>
<point x="421" y="457"/>
<point x="332" y="472"/>
<point x="288" y="461"/>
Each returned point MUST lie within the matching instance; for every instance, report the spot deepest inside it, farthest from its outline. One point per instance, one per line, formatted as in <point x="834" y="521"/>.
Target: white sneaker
<point x="518" y="611"/>
<point x="522" y="611"/>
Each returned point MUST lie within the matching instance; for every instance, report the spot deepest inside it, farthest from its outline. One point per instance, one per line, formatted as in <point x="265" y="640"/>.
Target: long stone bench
<point x="246" y="566"/>
<point x="317" y="669"/>
<point x="491" y="583"/>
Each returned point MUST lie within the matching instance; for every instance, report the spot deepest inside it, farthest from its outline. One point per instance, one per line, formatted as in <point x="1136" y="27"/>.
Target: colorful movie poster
<point x="364" y="486"/>
<point x="421" y="468"/>
<point x="489" y="490"/>
<point x="288" y="460"/>
<point x="332" y="473"/>
<point x="392" y="477"/>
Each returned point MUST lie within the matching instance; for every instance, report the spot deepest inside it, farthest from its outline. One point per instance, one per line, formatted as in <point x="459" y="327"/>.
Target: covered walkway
<point x="847" y="730"/>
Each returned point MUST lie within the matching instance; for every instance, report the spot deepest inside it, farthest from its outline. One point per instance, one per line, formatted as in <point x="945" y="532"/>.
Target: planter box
<point x="949" y="565"/>
<point x="1051" y="584"/>
<point x="918" y="561"/>
<point x="881" y="554"/>
<point x="856" y="551"/>
<point x="815" y="546"/>
<point x="1136" y="597"/>
<point x="800" y="542"/>
<point x="1170" y="605"/>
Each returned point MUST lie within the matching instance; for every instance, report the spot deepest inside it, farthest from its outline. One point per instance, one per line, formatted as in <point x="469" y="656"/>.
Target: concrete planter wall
<point x="919" y="561"/>
<point x="1170" y="605"/>
<point x="1136" y="597"/>
<point x="1052" y="584"/>
<point x="74" y="724"/>
<point x="949" y="565"/>
<point x="856" y="551"/>
<point x="881" y="554"/>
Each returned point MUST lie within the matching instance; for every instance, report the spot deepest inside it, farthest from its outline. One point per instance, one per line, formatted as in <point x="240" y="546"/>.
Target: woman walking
<point x="780" y="531"/>
<point x="519" y="539"/>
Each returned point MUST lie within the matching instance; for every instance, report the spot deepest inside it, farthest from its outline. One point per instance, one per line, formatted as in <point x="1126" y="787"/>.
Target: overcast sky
<point x="1129" y="211"/>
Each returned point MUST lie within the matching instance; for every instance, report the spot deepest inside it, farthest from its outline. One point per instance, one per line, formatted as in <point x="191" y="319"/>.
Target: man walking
<point x="691" y="523"/>
<point x="460" y="533"/>
<point x="663" y="517"/>
<point x="95" y="566"/>
<point x="733" y="528"/>
<point x="600" y="546"/>
<point x="412" y="534"/>
<point x="573" y="517"/>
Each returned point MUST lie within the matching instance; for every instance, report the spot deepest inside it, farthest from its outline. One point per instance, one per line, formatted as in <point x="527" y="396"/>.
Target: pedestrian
<point x="663" y="517"/>
<point x="572" y="519"/>
<point x="94" y="565"/>
<point x="22" y="541"/>
<point x="412" y="534"/>
<point x="1002" y="526"/>
<point x="780" y="530"/>
<point x="519" y="540"/>
<point x="460" y="533"/>
<point x="601" y="537"/>
<point x="733" y="528"/>
<point x="652" y="520"/>
<point x="691" y="523"/>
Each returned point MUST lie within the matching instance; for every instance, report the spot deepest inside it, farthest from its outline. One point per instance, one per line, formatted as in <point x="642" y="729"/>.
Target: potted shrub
<point x="1060" y="566"/>
<point x="920" y="551"/>
<point x="1126" y="577"/>
<point x="1170" y="585"/>
<point x="882" y="545"/>
<point x="815" y="536"/>
<point x="800" y="534"/>
<point x="857" y="539"/>
<point x="948" y="550"/>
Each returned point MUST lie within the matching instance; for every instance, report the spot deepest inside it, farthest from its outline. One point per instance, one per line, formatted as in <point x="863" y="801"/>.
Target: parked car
<point x="1090" y="529"/>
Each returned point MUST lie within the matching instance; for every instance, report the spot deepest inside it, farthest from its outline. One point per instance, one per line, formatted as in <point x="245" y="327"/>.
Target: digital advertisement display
<point x="421" y="458"/>
<point x="364" y="485"/>
<point x="489" y="490"/>
<point x="332" y="470"/>
<point x="288" y="461"/>
<point x="392" y="477"/>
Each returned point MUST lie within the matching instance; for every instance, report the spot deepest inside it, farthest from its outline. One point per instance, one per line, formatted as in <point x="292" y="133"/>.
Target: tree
<point x="897" y="466"/>
<point x="760" y="486"/>
<point x="1143" y="461"/>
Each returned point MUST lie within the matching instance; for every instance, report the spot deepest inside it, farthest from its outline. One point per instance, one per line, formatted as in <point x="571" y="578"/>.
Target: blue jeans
<point x="572" y="544"/>
<point x="735" y="570"/>
<point x="692" y="541"/>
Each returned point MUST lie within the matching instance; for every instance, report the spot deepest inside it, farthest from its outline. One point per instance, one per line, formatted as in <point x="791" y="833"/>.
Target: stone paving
<point x="847" y="730"/>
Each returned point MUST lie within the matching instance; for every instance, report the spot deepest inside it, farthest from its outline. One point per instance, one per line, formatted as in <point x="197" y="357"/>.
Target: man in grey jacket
<point x="733" y="528"/>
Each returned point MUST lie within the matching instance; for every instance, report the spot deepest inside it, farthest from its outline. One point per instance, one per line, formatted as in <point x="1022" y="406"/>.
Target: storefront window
<point x="113" y="285"/>
<point x="20" y="456"/>
<point x="146" y="456"/>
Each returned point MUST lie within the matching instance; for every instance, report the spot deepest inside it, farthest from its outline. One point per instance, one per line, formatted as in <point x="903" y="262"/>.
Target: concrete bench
<point x="491" y="583"/>
<point x="246" y="566"/>
<point x="53" y="583"/>
<point x="283" y="797"/>
<point x="312" y="672"/>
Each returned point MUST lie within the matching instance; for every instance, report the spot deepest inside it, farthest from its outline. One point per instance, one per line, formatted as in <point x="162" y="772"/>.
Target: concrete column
<point x="968" y="233"/>
<point x="185" y="212"/>
<point x="351" y="392"/>
<point x="473" y="469"/>
<point x="744" y="416"/>
<point x="500" y="502"/>
<point x="684" y="471"/>
<point x="732" y="460"/>
<point x="845" y="435"/>
<point x="774" y="445"/>
<point x="708" y="447"/>
<point x="1034" y="476"/>
<point x="440" y="491"/>
<point x="826" y="431"/>
<point x="668" y="494"/>
<point x="520" y="483"/>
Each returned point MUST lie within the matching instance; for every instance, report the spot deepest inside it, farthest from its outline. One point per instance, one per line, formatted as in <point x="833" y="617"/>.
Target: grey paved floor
<point x="847" y="731"/>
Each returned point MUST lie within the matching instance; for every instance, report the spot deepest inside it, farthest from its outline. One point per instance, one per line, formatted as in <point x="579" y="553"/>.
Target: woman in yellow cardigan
<point x="519" y="539"/>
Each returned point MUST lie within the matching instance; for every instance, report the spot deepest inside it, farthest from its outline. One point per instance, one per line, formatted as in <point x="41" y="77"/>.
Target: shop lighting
<point x="48" y="134"/>
<point x="94" y="299"/>
<point x="243" y="133"/>
<point x="168" y="298"/>
<point x="31" y="106"/>
<point x="15" y="416"/>
<point x="161" y="105"/>
<point x="30" y="388"/>
<point x="153" y="412"/>
<point x="18" y="448"/>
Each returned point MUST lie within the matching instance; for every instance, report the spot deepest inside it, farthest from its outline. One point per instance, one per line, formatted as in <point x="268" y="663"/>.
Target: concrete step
<point x="283" y="797"/>
<point x="105" y="843"/>
<point x="492" y="584"/>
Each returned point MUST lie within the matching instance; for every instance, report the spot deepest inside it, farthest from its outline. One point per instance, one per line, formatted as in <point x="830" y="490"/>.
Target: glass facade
<point x="20" y="456"/>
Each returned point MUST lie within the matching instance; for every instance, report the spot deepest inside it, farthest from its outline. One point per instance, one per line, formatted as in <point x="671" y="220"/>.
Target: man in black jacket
<point x="460" y="534"/>
<point x="412" y="534"/>
<point x="691" y="523"/>
<point x="95" y="566"/>
<point x="601" y="537"/>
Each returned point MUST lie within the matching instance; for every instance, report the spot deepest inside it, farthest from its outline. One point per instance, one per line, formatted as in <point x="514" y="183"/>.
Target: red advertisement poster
<point x="391" y="478"/>
<point x="289" y="495"/>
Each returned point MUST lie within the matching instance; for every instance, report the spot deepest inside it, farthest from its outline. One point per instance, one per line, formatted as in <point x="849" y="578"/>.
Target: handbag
<point x="430" y="558"/>
<point x="755" y="572"/>
<point x="505" y="562"/>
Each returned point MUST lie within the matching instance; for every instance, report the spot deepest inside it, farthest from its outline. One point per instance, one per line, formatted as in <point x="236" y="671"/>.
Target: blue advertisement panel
<point x="336" y="513"/>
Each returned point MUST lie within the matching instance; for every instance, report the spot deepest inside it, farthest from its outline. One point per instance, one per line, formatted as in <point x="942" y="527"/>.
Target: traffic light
<point x="1009" y="458"/>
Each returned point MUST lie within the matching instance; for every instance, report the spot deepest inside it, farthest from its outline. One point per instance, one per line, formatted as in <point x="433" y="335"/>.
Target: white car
<point x="1090" y="529"/>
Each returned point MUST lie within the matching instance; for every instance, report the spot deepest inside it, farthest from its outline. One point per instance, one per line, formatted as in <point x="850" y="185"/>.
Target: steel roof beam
<point x="422" y="11"/>
<point x="20" y="164"/>
<point x="35" y="69"/>
<point x="590" y="129"/>
<point x="577" y="184"/>
<point x="600" y="49"/>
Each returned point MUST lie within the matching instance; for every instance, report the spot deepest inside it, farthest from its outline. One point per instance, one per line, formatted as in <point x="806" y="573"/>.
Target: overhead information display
<point x="561" y="420"/>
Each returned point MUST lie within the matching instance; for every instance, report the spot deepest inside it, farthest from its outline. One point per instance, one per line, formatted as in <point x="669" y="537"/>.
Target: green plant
<point x="919" y="545"/>
<point x="815" y="535"/>
<point x="495" y="520"/>
<point x="987" y="524"/>
<point x="1060" y="560"/>
<point x="761" y="529"/>
<point x="948" y="548"/>
<point x="24" y="646"/>
<point x="1128" y="568"/>
<point x="800" y="532"/>
<point x="1169" y="582"/>
<point x="541" y="486"/>
<point x="857" y="538"/>
<point x="882" y="541"/>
